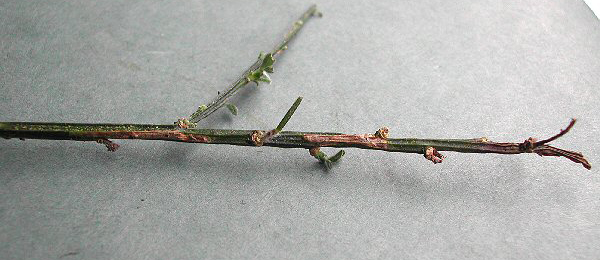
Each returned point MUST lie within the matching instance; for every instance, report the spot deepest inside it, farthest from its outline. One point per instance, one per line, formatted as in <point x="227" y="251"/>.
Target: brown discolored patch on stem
<point x="109" y="144"/>
<point x="172" y="135"/>
<point x="433" y="155"/>
<point x="501" y="148"/>
<point x="365" y="140"/>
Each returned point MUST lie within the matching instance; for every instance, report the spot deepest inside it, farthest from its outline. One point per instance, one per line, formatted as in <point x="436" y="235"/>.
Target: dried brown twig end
<point x="532" y="145"/>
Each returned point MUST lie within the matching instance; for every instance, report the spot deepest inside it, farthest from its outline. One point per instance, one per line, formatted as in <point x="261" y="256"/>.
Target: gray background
<point x="442" y="69"/>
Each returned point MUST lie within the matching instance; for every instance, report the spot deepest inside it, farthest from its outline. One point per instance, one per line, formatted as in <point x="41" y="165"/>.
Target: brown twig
<point x="284" y="139"/>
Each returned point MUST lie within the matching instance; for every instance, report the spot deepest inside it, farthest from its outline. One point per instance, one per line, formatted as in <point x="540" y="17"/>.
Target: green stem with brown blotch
<point x="257" y="72"/>
<point x="285" y="139"/>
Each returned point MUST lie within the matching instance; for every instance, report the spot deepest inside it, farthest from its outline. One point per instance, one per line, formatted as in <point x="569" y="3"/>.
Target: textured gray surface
<point x="458" y="69"/>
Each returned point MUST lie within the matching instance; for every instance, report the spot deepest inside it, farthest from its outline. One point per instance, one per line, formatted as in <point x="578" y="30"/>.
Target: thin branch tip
<point x="531" y="145"/>
<point x="257" y="72"/>
<point x="288" y="115"/>
<point x="561" y="133"/>
<point x="546" y="150"/>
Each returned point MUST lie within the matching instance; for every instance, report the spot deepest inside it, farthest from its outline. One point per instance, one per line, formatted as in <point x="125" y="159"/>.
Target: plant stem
<point x="244" y="79"/>
<point x="288" y="115"/>
<point x="285" y="139"/>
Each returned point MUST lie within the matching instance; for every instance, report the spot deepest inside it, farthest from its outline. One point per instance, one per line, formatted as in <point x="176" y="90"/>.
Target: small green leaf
<point x="268" y="61"/>
<point x="261" y="73"/>
<point x="327" y="164"/>
<point x="232" y="108"/>
<point x="253" y="75"/>
<point x="320" y="156"/>
<point x="265" y="77"/>
<point x="328" y="161"/>
<point x="337" y="156"/>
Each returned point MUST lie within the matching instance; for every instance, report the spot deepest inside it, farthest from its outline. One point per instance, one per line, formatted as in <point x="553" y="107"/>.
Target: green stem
<point x="312" y="11"/>
<point x="288" y="115"/>
<point x="243" y="80"/>
<point x="285" y="139"/>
